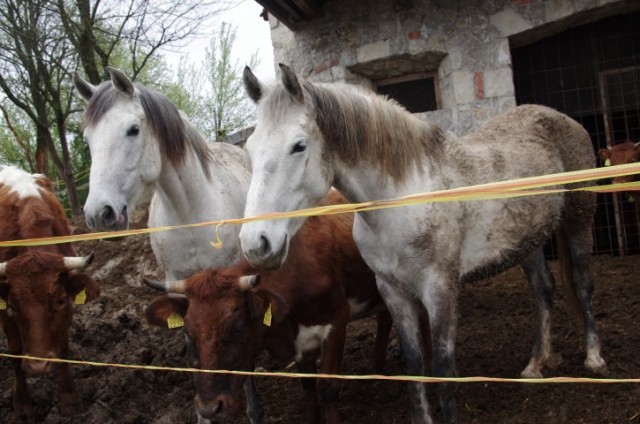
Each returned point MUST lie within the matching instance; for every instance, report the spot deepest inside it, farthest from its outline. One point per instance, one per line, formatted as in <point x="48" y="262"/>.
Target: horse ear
<point x="291" y="83"/>
<point x="85" y="89"/>
<point x="121" y="81"/>
<point x="251" y="85"/>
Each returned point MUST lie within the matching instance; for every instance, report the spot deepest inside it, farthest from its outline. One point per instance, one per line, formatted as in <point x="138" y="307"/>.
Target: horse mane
<point x="175" y="134"/>
<point x="361" y="125"/>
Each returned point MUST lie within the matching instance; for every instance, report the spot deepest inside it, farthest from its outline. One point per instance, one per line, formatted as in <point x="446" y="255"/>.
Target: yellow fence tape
<point x="497" y="190"/>
<point x="407" y="378"/>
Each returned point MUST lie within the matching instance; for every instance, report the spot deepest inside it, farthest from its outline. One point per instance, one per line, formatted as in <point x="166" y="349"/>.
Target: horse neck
<point x="183" y="187"/>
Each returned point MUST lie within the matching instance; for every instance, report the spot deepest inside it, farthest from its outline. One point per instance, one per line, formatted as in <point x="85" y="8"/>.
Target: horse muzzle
<point x="262" y="252"/>
<point x="107" y="219"/>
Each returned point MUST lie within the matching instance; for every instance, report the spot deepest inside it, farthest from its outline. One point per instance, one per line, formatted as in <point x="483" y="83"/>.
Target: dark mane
<point x="175" y="134"/>
<point x="359" y="125"/>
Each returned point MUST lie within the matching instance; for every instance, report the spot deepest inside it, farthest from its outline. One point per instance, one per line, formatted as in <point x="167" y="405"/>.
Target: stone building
<point x="459" y="62"/>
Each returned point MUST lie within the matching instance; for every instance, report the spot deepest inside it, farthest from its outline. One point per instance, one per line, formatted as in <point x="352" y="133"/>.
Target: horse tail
<point x="566" y="274"/>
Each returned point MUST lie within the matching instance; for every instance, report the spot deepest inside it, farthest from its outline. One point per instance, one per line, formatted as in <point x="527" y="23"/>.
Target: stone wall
<point x="467" y="42"/>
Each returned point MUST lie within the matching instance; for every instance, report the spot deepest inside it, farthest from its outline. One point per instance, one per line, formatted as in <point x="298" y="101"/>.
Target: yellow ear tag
<point x="267" y="317"/>
<point x="174" y="321"/>
<point x="607" y="162"/>
<point x="81" y="297"/>
<point x="3" y="304"/>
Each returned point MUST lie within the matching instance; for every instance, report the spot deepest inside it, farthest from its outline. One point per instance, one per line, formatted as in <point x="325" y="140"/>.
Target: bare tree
<point x="42" y="42"/>
<point x="217" y="103"/>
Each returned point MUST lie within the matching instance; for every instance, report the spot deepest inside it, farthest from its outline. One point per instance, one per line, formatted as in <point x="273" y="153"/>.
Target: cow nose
<point x="214" y="408"/>
<point x="32" y="366"/>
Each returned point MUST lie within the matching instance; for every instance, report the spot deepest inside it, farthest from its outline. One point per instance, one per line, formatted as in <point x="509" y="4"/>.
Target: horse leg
<point x="331" y="359"/>
<point x="427" y="343"/>
<point x="254" y="407"/>
<point x="440" y="298"/>
<point x="579" y="240"/>
<point x="542" y="287"/>
<point x="383" y="331"/>
<point x="405" y="314"/>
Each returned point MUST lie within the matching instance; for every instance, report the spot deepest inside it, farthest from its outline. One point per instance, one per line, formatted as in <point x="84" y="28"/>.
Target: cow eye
<point x="300" y="146"/>
<point x="62" y="301"/>
<point x="133" y="131"/>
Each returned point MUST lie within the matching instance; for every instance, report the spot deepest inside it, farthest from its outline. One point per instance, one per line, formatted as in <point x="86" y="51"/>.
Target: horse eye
<point x="133" y="131"/>
<point x="300" y="146"/>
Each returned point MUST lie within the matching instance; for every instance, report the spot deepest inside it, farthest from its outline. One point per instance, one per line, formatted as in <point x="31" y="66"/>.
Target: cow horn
<point x="3" y="268"/>
<point x="178" y="286"/>
<point x="247" y="282"/>
<point x="77" y="262"/>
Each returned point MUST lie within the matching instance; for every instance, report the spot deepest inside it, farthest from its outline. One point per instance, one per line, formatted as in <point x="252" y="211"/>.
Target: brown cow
<point x="36" y="283"/>
<point x="296" y="312"/>
<point x="620" y="154"/>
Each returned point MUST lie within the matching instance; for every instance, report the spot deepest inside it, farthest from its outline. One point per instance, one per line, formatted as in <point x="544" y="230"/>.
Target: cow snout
<point x="33" y="366"/>
<point x="219" y="407"/>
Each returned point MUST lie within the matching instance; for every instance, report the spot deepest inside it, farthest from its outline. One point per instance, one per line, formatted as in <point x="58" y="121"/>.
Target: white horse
<point x="311" y="136"/>
<point x="139" y="141"/>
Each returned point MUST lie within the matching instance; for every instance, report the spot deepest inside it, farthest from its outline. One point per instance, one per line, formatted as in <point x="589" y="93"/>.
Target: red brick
<point x="324" y="66"/>
<point x="478" y="79"/>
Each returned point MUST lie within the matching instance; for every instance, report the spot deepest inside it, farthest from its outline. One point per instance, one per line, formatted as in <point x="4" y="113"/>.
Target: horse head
<point x="125" y="154"/>
<point x="290" y="167"/>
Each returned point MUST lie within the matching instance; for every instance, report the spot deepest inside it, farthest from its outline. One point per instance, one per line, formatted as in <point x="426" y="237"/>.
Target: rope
<point x="405" y="378"/>
<point x="520" y="187"/>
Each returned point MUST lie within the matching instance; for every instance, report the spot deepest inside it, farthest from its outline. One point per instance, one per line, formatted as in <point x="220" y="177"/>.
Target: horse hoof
<point x="531" y="373"/>
<point x="597" y="366"/>
<point x="553" y="361"/>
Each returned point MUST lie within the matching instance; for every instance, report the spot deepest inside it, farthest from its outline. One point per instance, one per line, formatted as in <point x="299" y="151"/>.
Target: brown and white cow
<point x="620" y="154"/>
<point x="297" y="313"/>
<point x="37" y="284"/>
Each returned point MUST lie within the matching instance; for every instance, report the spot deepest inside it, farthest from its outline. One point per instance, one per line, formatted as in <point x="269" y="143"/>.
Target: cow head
<point x="620" y="154"/>
<point x="223" y="314"/>
<point x="37" y="290"/>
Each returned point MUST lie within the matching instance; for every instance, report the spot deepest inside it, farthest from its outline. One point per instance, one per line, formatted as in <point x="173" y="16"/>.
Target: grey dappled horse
<point x="311" y="136"/>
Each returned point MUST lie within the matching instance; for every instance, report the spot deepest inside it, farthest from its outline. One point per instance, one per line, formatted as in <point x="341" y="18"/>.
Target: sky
<point x="252" y="34"/>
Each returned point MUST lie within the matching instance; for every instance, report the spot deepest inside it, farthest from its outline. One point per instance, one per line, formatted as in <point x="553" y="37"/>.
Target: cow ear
<point x="604" y="154"/>
<point x="82" y="288"/>
<point x="270" y="307"/>
<point x="166" y="311"/>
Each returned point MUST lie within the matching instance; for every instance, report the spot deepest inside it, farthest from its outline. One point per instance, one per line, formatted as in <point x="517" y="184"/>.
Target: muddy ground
<point x="494" y="339"/>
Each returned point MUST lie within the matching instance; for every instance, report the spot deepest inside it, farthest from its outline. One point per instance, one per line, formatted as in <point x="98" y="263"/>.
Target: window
<point x="416" y="92"/>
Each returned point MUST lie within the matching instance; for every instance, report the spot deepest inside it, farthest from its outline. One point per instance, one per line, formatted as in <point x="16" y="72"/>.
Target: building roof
<point x="293" y="12"/>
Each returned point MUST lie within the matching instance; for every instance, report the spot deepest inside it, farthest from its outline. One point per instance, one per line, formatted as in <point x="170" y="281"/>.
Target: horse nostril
<point x="108" y="215"/>
<point x="265" y="246"/>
